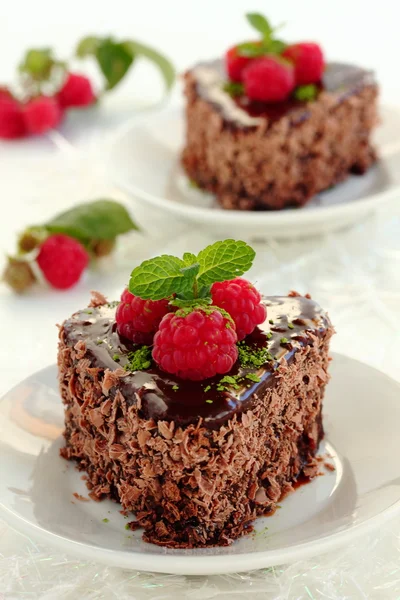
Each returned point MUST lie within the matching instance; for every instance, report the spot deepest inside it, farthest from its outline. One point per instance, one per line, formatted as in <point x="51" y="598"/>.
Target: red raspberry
<point x="268" y="79"/>
<point x="41" y="114"/>
<point x="76" y="91"/>
<point x="242" y="301"/>
<point x="197" y="345"/>
<point x="138" y="319"/>
<point x="308" y="62"/>
<point x="11" y="117"/>
<point x="62" y="260"/>
<point x="235" y="64"/>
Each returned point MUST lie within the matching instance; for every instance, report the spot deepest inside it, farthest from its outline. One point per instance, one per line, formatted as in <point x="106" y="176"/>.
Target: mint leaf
<point x="234" y="88"/>
<point x="252" y="49"/>
<point x="165" y="66"/>
<point x="87" y="46"/>
<point x="276" y="47"/>
<point x="224" y="260"/>
<point x="114" y="61"/>
<point x="98" y="220"/>
<point x="260" y="23"/>
<point x="161" y="277"/>
<point x="189" y="259"/>
<point x="306" y="92"/>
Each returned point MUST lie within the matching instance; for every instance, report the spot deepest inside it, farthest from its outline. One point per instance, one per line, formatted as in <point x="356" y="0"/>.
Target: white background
<point x="355" y="275"/>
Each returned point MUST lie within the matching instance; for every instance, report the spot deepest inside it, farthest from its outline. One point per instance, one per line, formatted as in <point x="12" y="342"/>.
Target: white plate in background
<point x="143" y="160"/>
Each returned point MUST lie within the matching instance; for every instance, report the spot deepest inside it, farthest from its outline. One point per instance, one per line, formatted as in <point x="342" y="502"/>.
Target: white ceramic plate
<point x="144" y="161"/>
<point x="362" y="421"/>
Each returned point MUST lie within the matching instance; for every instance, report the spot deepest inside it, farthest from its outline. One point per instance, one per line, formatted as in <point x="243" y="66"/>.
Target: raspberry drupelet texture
<point x="12" y="123"/>
<point x="242" y="301"/>
<point x="76" y="91"/>
<point x="268" y="79"/>
<point x="197" y="345"/>
<point x="138" y="319"/>
<point x="62" y="260"/>
<point x="235" y="64"/>
<point x="41" y="114"/>
<point x="308" y="61"/>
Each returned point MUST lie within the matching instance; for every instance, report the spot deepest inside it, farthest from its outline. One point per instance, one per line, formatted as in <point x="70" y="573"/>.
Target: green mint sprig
<point x="269" y="43"/>
<point x="42" y="72"/>
<point x="115" y="58"/>
<point x="89" y="223"/>
<point x="234" y="88"/>
<point x="189" y="279"/>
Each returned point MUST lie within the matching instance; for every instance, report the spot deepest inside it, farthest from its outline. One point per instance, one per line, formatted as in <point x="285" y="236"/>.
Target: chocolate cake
<point x="256" y="156"/>
<point x="196" y="461"/>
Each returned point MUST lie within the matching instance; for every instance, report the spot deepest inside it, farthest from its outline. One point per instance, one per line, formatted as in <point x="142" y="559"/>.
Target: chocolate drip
<point x="340" y="79"/>
<point x="293" y="318"/>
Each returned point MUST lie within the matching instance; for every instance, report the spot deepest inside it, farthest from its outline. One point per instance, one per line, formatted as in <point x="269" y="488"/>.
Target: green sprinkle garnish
<point x="127" y="526"/>
<point x="139" y="360"/>
<point x="175" y="387"/>
<point x="253" y="377"/>
<point x="231" y="381"/>
<point x="193" y="184"/>
<point x="253" y="357"/>
<point x="233" y="88"/>
<point x="271" y="321"/>
<point x="113" y="304"/>
<point x="306" y="92"/>
<point x="89" y="312"/>
<point x="208" y="388"/>
<point x="209" y="401"/>
<point x="284" y="340"/>
<point x="116" y="357"/>
<point x="98" y="342"/>
<point x="290" y="325"/>
<point x="106" y="520"/>
<point x="268" y="335"/>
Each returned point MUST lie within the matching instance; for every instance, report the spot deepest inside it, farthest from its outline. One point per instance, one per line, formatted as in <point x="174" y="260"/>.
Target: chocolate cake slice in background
<point x="258" y="156"/>
<point x="196" y="462"/>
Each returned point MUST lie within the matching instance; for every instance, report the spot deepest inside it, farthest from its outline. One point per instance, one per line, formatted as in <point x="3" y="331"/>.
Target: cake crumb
<point x="329" y="466"/>
<point x="80" y="497"/>
<point x="133" y="525"/>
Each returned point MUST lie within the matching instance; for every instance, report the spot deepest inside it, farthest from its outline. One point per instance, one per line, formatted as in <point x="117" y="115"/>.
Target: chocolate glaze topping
<point x="340" y="79"/>
<point x="96" y="327"/>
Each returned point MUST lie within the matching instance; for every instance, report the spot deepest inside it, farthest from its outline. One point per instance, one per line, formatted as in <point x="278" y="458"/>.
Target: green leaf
<point x="224" y="260"/>
<point x="98" y="220"/>
<point x="160" y="277"/>
<point x="306" y="92"/>
<point x="88" y="46"/>
<point x="38" y="63"/>
<point x="252" y="49"/>
<point x="189" y="259"/>
<point x="234" y="88"/>
<point x="114" y="61"/>
<point x="276" y="47"/>
<point x="166" y="67"/>
<point x="260" y="23"/>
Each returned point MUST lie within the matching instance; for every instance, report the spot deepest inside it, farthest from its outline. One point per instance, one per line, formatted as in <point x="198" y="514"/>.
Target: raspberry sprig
<point x="193" y="309"/>
<point x="61" y="248"/>
<point x="269" y="70"/>
<point x="46" y="87"/>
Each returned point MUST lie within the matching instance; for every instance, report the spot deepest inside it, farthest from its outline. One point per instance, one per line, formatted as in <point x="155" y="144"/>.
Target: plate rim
<point x="278" y="218"/>
<point x="200" y="565"/>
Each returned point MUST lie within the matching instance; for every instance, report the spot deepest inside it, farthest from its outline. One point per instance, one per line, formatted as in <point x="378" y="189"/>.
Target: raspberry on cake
<point x="201" y="433"/>
<point x="273" y="124"/>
